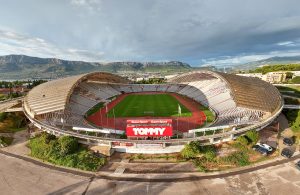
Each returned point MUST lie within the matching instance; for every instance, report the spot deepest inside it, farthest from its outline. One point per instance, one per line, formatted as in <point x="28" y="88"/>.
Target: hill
<point x="23" y="67"/>
<point x="275" y="68"/>
<point x="269" y="61"/>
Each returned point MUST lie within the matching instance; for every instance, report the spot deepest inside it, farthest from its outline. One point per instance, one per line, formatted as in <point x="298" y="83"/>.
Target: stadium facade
<point x="239" y="103"/>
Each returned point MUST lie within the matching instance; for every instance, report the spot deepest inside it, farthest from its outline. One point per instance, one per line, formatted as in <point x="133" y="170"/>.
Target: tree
<point x="68" y="145"/>
<point x="191" y="150"/>
<point x="289" y="75"/>
<point x="274" y="68"/>
<point x="253" y="136"/>
<point x="47" y="137"/>
<point x="242" y="140"/>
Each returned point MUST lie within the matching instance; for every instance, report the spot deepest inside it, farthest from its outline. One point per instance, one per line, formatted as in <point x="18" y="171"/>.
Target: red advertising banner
<point x="149" y="128"/>
<point x="149" y="121"/>
<point x="151" y="131"/>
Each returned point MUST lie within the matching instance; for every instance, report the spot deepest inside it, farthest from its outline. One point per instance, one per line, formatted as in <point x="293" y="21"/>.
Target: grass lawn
<point x="14" y="130"/>
<point x="210" y="117"/>
<point x="293" y="101"/>
<point x="2" y="97"/>
<point x="290" y="90"/>
<point x="157" y="105"/>
<point x="6" y="129"/>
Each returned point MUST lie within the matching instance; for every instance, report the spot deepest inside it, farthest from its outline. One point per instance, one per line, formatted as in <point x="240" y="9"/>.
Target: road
<point x="21" y="177"/>
<point x="9" y="103"/>
<point x="288" y="106"/>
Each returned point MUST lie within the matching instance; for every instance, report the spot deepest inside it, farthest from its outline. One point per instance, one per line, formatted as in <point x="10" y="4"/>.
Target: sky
<point x="198" y="32"/>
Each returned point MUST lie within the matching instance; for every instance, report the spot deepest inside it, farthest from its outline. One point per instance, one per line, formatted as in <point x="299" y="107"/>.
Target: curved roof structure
<point x="247" y="92"/>
<point x="253" y="93"/>
<point x="54" y="95"/>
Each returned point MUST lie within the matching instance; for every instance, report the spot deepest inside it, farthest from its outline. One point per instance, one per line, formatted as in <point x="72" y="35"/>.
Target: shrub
<point x="2" y="142"/>
<point x="253" y="136"/>
<point x="68" y="145"/>
<point x="238" y="158"/>
<point x="293" y="117"/>
<point x="199" y="163"/>
<point x="6" y="141"/>
<point x="191" y="150"/>
<point x="50" y="149"/>
<point x="3" y="116"/>
<point x="140" y="156"/>
<point x="209" y="152"/>
<point x="210" y="155"/>
<point x="39" y="148"/>
<point x="242" y="140"/>
<point x="123" y="136"/>
<point x="46" y="138"/>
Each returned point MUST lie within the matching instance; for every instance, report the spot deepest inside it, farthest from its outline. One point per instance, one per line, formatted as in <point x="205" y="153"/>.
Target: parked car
<point x="298" y="165"/>
<point x="255" y="147"/>
<point x="263" y="151"/>
<point x="266" y="146"/>
<point x="260" y="149"/>
<point x="288" y="141"/>
<point x="286" y="153"/>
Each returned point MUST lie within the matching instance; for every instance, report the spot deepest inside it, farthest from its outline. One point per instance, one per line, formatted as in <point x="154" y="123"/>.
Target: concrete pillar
<point x="231" y="136"/>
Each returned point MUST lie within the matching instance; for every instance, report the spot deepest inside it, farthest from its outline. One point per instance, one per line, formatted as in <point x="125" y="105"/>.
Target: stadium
<point x="108" y="111"/>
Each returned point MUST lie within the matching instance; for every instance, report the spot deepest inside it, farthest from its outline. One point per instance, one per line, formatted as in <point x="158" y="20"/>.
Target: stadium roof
<point x="54" y="95"/>
<point x="253" y="93"/>
<point x="247" y="92"/>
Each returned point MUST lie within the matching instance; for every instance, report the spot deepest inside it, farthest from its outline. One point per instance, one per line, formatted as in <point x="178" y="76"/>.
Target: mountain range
<point x="27" y="67"/>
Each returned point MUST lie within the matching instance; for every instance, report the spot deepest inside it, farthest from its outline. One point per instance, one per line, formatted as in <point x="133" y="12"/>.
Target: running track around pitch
<point x="184" y="123"/>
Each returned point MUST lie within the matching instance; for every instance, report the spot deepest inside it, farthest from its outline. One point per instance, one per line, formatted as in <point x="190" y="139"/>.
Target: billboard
<point x="149" y="128"/>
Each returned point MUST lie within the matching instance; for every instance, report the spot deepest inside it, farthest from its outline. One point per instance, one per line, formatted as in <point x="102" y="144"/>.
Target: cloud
<point x="192" y="31"/>
<point x="241" y="59"/>
<point x="91" y="5"/>
<point x="14" y="43"/>
<point x="289" y="43"/>
<point x="286" y="43"/>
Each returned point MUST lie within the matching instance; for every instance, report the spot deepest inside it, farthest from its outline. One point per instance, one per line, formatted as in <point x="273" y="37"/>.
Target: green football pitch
<point x="157" y="105"/>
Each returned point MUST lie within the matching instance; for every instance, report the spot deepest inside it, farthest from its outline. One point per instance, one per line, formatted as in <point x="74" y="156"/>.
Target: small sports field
<point x="141" y="105"/>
